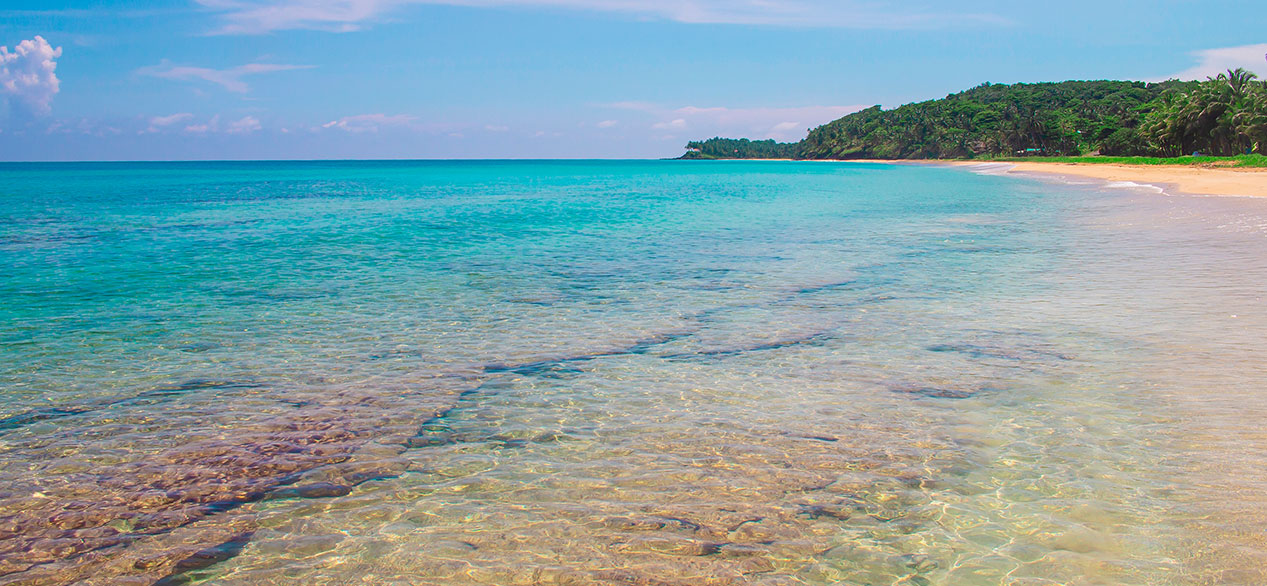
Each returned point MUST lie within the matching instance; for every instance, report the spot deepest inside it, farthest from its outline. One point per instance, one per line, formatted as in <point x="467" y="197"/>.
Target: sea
<point x="654" y="373"/>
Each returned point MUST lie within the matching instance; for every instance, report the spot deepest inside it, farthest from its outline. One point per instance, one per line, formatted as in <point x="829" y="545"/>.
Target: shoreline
<point x="1168" y="179"/>
<point x="1174" y="180"/>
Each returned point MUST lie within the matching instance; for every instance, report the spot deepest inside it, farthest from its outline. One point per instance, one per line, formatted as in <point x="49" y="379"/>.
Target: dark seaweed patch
<point x="937" y="392"/>
<point x="146" y="397"/>
<point x="198" y="347"/>
<point x="556" y="366"/>
<point x="205" y="558"/>
<point x="35" y="416"/>
<point x="851" y="284"/>
<point x="819" y="438"/>
<point x="838" y="512"/>
<point x="315" y="490"/>
<point x="193" y="385"/>
<point x="1014" y="353"/>
<point x="816" y="338"/>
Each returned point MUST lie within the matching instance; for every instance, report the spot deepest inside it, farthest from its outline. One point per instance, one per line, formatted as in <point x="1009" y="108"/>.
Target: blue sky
<point x="248" y="79"/>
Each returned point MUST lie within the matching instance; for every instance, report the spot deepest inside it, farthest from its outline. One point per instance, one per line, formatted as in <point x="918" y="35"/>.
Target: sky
<point x="404" y="79"/>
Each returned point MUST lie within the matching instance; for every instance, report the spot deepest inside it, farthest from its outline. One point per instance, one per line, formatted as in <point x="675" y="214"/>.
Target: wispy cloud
<point x="229" y="79"/>
<point x="83" y="127"/>
<point x="675" y="124"/>
<point x="758" y="123"/>
<point x="103" y="12"/>
<point x="212" y="125"/>
<point x="263" y="16"/>
<point x="169" y="120"/>
<point x="370" y="122"/>
<point x="246" y="125"/>
<point x="158" y="123"/>
<point x="28" y="78"/>
<point x="1212" y="62"/>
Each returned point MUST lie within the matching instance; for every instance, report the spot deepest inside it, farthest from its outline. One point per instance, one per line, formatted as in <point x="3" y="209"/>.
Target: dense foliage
<point x="1225" y="115"/>
<point x="730" y="148"/>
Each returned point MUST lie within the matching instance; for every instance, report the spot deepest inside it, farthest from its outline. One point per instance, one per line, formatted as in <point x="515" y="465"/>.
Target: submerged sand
<point x="1173" y="178"/>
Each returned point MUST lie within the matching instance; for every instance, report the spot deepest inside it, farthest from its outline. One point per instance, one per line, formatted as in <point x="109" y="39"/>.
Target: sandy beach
<point x="1174" y="179"/>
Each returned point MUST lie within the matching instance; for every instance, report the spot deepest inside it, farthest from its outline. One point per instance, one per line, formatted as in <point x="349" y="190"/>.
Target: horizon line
<point x="352" y="160"/>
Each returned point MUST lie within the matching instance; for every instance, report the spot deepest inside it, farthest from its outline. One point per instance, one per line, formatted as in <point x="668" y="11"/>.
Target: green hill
<point x="1225" y="115"/>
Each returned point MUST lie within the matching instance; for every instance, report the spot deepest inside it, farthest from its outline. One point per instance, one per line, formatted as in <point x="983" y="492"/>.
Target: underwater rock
<point x="315" y="490"/>
<point x="1019" y="353"/>
<point x="37" y="415"/>
<point x="840" y="512"/>
<point x="819" y="438"/>
<point x="429" y="441"/>
<point x="204" y="558"/>
<point x="919" y="562"/>
<point x="649" y="524"/>
<point x="213" y="555"/>
<point x="934" y="392"/>
<point x="674" y="546"/>
<point x="739" y="550"/>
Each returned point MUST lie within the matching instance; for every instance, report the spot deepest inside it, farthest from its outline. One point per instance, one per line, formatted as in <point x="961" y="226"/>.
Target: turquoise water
<point x="625" y="372"/>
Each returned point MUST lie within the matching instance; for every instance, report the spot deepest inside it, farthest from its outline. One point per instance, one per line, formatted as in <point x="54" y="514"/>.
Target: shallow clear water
<point x="625" y="372"/>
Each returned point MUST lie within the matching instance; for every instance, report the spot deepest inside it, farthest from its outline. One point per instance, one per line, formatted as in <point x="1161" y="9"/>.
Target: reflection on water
<point x="625" y="373"/>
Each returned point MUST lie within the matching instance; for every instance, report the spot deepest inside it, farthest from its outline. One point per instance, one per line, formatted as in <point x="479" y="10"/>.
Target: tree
<point x="1224" y="115"/>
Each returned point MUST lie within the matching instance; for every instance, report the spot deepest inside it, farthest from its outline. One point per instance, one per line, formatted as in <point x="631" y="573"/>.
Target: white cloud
<point x="82" y="126"/>
<point x="496" y="128"/>
<point x="28" y="78"/>
<point x="1211" y="62"/>
<point x="370" y="122"/>
<point x="607" y="123"/>
<point x="674" y="124"/>
<point x="785" y="124"/>
<point x="246" y="125"/>
<point x="262" y="16"/>
<point x="212" y="125"/>
<point x="229" y="79"/>
<point x="169" y="120"/>
<point x="158" y="123"/>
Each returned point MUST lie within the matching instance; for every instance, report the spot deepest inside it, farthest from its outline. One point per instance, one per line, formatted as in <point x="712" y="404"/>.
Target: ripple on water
<point x="775" y="375"/>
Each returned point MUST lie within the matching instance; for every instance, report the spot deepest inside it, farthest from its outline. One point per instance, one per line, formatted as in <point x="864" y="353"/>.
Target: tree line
<point x="740" y="148"/>
<point x="1224" y="115"/>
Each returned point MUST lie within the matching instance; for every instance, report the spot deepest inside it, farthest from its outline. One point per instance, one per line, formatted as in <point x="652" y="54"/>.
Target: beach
<point x="1171" y="178"/>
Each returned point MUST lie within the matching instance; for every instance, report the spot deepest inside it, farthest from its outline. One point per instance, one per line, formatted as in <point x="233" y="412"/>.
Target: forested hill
<point x="1225" y="115"/>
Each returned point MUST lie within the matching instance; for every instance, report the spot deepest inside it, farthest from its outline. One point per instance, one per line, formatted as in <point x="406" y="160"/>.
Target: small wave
<point x="1134" y="185"/>
<point x="991" y="168"/>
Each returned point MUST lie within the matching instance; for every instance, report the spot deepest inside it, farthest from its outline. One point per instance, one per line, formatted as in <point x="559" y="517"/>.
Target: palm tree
<point x="1250" y="119"/>
<point x="1237" y="79"/>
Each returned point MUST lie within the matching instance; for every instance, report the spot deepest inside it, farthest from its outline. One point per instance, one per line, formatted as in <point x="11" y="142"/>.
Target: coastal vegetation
<point x="1225" y="115"/>
<point x="741" y="148"/>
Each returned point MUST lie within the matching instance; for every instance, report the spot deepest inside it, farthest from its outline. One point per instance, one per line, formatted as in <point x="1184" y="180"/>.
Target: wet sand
<point x="1171" y="178"/>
